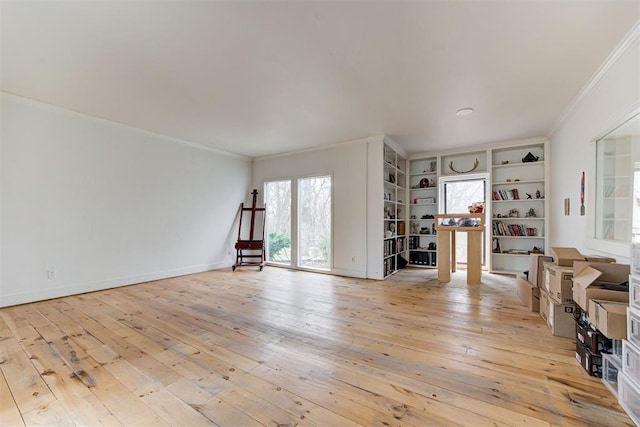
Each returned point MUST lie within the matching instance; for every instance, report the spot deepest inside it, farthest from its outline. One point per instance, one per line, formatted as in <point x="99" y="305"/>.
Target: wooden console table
<point x="447" y="245"/>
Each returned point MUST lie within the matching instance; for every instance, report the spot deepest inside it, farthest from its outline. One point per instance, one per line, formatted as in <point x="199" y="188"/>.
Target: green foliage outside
<point x="278" y="242"/>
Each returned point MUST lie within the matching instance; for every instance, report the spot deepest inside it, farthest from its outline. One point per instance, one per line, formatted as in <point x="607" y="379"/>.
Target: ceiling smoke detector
<point x="464" y="112"/>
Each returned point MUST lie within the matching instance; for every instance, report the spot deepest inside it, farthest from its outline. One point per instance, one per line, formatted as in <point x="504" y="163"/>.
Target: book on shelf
<point x="512" y="194"/>
<point x="513" y="230"/>
<point x="423" y="258"/>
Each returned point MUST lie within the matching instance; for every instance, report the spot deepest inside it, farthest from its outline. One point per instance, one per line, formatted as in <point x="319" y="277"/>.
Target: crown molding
<point x="631" y="38"/>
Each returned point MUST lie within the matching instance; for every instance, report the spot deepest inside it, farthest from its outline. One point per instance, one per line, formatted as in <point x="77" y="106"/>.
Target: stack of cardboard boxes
<point x="601" y="293"/>
<point x="580" y="296"/>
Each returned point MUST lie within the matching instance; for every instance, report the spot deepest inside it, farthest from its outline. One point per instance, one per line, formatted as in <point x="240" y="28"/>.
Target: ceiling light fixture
<point x="464" y="112"/>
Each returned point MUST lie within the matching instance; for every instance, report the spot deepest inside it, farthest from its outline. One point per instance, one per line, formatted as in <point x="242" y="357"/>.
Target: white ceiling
<point x="259" y="78"/>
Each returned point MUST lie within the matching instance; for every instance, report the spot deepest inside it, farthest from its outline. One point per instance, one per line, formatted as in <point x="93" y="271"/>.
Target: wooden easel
<point x="252" y="249"/>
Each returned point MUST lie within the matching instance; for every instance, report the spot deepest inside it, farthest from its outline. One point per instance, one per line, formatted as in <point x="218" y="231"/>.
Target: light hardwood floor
<point x="286" y="348"/>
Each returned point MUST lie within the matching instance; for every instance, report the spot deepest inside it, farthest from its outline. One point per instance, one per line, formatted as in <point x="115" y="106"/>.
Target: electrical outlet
<point x="51" y="274"/>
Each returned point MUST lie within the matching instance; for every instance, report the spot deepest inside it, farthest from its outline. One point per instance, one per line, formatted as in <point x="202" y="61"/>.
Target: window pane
<point x="459" y="195"/>
<point x="314" y="222"/>
<point x="278" y="201"/>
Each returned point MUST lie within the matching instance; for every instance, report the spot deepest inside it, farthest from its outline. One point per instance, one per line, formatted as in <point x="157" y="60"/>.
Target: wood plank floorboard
<point x="291" y="348"/>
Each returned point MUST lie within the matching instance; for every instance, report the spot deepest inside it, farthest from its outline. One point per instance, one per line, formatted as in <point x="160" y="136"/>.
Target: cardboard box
<point x="565" y="257"/>
<point x="589" y="279"/>
<point x="528" y="293"/>
<point x="559" y="317"/>
<point x="536" y="268"/>
<point x="609" y="317"/>
<point x="558" y="283"/>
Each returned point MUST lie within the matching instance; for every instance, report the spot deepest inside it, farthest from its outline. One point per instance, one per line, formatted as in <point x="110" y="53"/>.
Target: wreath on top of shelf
<point x="475" y="166"/>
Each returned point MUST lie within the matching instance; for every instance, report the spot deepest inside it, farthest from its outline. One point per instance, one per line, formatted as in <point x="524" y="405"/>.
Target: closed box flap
<point x="566" y="256"/>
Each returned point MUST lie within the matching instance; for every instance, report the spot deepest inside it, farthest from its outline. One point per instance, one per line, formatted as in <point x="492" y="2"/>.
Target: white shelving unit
<point x="518" y="206"/>
<point x="394" y="232"/>
<point x="423" y="205"/>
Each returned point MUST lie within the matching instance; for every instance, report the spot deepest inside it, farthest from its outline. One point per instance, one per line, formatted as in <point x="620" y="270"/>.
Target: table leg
<point x="444" y="256"/>
<point x="474" y="257"/>
<point x="454" y="262"/>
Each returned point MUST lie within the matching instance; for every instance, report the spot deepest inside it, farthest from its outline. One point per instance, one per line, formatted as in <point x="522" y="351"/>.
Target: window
<point x="278" y="202"/>
<point x="459" y="194"/>
<point x="314" y="222"/>
<point x="299" y="237"/>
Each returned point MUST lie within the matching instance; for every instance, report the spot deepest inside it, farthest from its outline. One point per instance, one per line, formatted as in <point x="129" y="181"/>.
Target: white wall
<point x="347" y="163"/>
<point x="106" y="205"/>
<point x="572" y="148"/>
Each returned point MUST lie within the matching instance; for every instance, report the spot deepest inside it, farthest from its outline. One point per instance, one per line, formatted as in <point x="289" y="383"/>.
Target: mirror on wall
<point x="617" y="214"/>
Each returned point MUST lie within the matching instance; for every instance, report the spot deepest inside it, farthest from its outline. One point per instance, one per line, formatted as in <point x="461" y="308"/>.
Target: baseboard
<point x="349" y="273"/>
<point x="7" y="300"/>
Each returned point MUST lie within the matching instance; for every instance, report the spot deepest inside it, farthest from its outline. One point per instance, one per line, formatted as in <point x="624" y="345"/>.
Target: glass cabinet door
<point x="613" y="186"/>
<point x="617" y="185"/>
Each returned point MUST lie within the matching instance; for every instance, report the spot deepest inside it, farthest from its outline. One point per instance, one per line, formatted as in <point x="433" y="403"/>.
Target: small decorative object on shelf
<point x="530" y="158"/>
<point x="461" y="221"/>
<point x="415" y="228"/>
<point x="538" y="195"/>
<point x="432" y="166"/>
<point x="531" y="213"/>
<point x="387" y="212"/>
<point x="475" y="166"/>
<point x="496" y="246"/>
<point x="476" y="207"/>
<point x="514" y="213"/>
